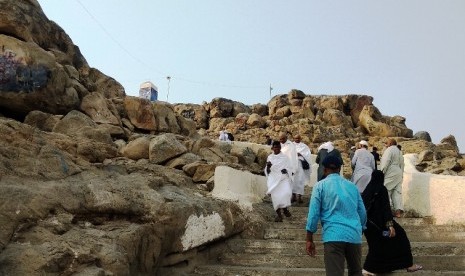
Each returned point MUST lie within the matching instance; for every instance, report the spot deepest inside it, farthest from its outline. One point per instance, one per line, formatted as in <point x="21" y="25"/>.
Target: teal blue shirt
<point x="338" y="204"/>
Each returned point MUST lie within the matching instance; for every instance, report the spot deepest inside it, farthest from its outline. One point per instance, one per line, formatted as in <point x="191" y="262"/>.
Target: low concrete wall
<point x="241" y="186"/>
<point x="429" y="195"/>
<point x="441" y="197"/>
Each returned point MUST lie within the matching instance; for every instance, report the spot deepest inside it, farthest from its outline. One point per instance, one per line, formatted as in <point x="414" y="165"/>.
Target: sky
<point x="408" y="55"/>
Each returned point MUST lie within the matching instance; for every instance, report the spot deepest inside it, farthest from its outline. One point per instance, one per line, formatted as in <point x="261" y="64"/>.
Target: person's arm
<point x="310" y="245"/>
<point x="385" y="160"/>
<point x="387" y="213"/>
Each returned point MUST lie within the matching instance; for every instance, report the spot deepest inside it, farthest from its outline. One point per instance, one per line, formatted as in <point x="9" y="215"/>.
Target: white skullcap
<point x="364" y="143"/>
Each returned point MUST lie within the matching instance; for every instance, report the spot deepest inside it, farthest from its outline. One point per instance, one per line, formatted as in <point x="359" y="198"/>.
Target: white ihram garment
<point x="279" y="184"/>
<point x="288" y="149"/>
<point x="302" y="176"/>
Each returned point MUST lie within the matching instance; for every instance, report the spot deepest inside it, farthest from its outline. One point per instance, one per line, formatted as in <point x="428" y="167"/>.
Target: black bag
<point x="305" y="164"/>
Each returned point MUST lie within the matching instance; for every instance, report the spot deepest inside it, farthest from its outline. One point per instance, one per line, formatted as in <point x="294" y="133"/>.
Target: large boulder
<point x="195" y="112"/>
<point x="221" y="108"/>
<point x="35" y="81"/>
<point x="165" y="117"/>
<point x="165" y="147"/>
<point x="140" y="113"/>
<point x="100" y="109"/>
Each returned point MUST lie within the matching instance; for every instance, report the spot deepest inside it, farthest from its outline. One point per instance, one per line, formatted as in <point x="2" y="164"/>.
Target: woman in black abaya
<point x="391" y="251"/>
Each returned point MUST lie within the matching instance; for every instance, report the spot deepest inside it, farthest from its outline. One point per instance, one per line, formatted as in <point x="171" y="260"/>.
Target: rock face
<point x="93" y="182"/>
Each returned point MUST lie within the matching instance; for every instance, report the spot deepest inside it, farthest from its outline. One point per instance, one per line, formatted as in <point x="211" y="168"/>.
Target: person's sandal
<point x="367" y="273"/>
<point x="414" y="268"/>
<point x="287" y="213"/>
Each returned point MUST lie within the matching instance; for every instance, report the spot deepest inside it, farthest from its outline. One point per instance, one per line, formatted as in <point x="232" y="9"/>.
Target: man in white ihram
<point x="278" y="181"/>
<point x="288" y="149"/>
<point x="302" y="175"/>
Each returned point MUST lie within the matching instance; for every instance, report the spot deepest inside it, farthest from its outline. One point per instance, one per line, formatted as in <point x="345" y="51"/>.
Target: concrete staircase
<point x="281" y="251"/>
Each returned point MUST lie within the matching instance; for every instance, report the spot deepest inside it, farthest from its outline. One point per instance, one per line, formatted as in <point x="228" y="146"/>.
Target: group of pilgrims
<point x="288" y="170"/>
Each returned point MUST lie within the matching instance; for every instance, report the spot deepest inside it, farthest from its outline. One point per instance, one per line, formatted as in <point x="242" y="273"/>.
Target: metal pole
<point x="167" y="94"/>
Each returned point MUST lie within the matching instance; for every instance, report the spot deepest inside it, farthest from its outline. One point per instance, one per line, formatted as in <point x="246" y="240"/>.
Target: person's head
<point x="282" y="137"/>
<point x="331" y="164"/>
<point x="391" y="142"/>
<point x="375" y="149"/>
<point x="399" y="147"/>
<point x="276" y="147"/>
<point x="297" y="138"/>
<point x="363" y="144"/>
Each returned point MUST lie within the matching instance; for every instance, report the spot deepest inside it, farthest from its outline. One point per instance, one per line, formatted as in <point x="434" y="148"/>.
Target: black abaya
<point x="384" y="254"/>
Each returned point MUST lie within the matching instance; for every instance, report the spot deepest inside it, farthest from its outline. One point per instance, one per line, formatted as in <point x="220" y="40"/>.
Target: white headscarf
<point x="328" y="146"/>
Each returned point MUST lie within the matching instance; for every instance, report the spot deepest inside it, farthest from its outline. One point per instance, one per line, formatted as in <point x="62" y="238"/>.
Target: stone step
<point x="298" y="247"/>
<point x="300" y="214"/>
<point x="406" y="223"/>
<point x="439" y="233"/>
<point x="430" y="262"/>
<point x="224" y="270"/>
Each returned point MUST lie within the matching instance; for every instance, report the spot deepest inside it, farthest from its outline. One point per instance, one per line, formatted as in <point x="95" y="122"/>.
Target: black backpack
<point x="230" y="136"/>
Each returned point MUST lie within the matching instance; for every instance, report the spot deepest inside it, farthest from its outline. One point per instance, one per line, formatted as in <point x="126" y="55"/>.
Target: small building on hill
<point x="148" y="91"/>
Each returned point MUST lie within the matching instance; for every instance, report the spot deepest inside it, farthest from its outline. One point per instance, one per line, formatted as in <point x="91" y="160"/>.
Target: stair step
<point x="439" y="233"/>
<point x="298" y="247"/>
<point x="301" y="216"/>
<point x="406" y="223"/>
<point x="224" y="270"/>
<point x="431" y="262"/>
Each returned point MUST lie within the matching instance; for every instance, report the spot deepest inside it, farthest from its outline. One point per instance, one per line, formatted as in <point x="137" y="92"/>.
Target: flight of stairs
<point x="281" y="251"/>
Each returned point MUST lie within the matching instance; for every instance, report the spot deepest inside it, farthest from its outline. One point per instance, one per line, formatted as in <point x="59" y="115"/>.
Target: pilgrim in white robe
<point x="288" y="149"/>
<point x="279" y="184"/>
<point x="302" y="176"/>
<point x="363" y="163"/>
<point x="392" y="165"/>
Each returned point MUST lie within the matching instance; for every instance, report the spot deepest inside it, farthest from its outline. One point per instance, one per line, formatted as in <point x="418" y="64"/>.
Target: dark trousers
<point x="336" y="253"/>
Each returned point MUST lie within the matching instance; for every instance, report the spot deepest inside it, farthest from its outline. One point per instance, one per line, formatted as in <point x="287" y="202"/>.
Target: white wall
<point x="241" y="186"/>
<point x="441" y="197"/>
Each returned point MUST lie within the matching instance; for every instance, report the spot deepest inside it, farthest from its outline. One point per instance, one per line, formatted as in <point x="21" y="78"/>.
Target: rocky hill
<point x="94" y="182"/>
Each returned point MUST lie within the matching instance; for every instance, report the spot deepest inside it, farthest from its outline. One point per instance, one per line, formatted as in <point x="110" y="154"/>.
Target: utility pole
<point x="271" y="88"/>
<point x="167" y="94"/>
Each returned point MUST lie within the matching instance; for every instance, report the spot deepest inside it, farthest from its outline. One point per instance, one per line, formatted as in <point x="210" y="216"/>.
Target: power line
<point x="156" y="70"/>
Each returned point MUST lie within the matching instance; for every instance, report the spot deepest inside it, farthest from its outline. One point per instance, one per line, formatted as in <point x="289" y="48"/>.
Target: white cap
<point x="364" y="143"/>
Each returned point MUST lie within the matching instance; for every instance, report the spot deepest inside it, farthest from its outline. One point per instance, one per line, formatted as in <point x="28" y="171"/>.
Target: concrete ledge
<point x="440" y="196"/>
<point x="240" y="186"/>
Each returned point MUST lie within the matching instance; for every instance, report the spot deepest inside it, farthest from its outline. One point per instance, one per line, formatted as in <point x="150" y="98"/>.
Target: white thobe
<point x="279" y="184"/>
<point x="392" y="165"/>
<point x="288" y="149"/>
<point x="302" y="176"/>
<point x="364" y="164"/>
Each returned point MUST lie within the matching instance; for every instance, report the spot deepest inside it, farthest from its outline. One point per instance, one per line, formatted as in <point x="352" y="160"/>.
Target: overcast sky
<point x="408" y="55"/>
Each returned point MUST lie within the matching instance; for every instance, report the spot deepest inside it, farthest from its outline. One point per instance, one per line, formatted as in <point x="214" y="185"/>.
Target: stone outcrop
<point x="94" y="182"/>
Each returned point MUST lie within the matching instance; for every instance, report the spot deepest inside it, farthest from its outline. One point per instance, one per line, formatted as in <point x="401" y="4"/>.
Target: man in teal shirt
<point x="338" y="204"/>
